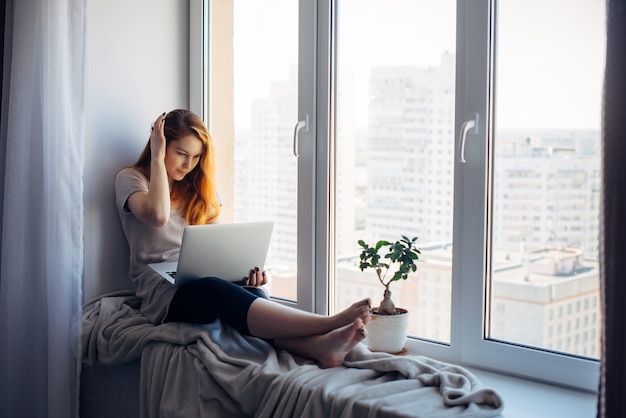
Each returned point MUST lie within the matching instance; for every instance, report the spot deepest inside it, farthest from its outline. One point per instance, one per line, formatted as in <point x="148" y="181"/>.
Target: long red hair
<point x="196" y="194"/>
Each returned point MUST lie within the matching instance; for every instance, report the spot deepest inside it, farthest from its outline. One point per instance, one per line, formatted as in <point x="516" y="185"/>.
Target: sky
<point x="550" y="55"/>
<point x="550" y="63"/>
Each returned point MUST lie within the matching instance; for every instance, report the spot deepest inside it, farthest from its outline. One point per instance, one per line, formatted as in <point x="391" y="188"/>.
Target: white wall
<point x="137" y="67"/>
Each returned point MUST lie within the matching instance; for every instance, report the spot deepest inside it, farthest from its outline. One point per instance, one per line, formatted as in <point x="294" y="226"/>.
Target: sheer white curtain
<point x="41" y="248"/>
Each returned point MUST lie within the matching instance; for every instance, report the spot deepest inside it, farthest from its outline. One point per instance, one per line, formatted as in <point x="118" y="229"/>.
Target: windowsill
<point x="527" y="399"/>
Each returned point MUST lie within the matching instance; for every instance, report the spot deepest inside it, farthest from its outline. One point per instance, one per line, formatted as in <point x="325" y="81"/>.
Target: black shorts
<point x="204" y="301"/>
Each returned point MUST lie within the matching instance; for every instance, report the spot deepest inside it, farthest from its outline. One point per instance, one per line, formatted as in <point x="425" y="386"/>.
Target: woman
<point x="171" y="185"/>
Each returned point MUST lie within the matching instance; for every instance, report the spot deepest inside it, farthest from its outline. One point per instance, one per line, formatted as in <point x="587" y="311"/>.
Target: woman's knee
<point x="258" y="291"/>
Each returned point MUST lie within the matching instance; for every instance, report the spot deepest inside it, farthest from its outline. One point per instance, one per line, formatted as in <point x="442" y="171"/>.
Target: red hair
<point x="196" y="194"/>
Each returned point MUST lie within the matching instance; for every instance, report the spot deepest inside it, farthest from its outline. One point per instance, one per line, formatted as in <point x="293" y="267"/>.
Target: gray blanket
<point x="213" y="371"/>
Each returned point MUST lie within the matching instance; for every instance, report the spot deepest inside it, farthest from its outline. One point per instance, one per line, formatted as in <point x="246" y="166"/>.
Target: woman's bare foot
<point x="358" y="310"/>
<point x="332" y="348"/>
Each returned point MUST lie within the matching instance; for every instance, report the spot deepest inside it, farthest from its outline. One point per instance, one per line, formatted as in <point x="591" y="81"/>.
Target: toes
<point x="361" y="333"/>
<point x="359" y="327"/>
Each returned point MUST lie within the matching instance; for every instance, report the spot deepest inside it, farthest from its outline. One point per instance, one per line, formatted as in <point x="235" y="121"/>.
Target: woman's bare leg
<point x="328" y="349"/>
<point x="268" y="319"/>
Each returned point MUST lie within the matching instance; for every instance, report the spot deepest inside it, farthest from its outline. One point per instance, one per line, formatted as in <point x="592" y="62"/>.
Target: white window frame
<point x="199" y="99"/>
<point x="474" y="69"/>
<point x="475" y="75"/>
<point x="313" y="79"/>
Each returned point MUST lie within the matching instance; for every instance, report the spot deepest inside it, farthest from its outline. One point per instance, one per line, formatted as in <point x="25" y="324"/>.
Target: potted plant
<point x="388" y="328"/>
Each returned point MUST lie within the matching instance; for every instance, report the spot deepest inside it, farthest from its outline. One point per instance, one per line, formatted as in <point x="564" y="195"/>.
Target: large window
<point x="265" y="53"/>
<point x="372" y="97"/>
<point x="394" y="147"/>
<point x="546" y="176"/>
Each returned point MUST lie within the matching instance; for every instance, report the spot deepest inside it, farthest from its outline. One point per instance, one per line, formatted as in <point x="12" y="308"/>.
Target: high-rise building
<point x="267" y="173"/>
<point x="410" y="154"/>
<point x="547" y="190"/>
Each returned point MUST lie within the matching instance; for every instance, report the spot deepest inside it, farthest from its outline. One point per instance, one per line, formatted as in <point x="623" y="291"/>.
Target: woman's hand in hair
<point x="157" y="139"/>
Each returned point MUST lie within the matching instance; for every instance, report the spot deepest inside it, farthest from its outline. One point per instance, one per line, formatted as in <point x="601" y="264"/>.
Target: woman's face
<point x="182" y="156"/>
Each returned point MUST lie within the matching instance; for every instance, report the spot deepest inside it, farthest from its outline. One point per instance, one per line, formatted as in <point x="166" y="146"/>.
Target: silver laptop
<point x="226" y="251"/>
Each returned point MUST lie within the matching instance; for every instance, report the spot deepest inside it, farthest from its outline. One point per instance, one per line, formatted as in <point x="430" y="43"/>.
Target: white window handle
<point x="469" y="127"/>
<point x="302" y="124"/>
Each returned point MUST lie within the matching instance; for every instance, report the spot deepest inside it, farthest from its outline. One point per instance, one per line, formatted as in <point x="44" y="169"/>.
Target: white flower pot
<point x="387" y="333"/>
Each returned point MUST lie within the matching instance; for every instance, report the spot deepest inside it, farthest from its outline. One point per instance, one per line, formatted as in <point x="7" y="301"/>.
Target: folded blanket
<point x="213" y="371"/>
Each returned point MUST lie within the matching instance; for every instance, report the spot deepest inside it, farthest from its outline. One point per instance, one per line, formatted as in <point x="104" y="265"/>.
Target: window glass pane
<point x="394" y="136"/>
<point x="546" y="188"/>
<point x="265" y="111"/>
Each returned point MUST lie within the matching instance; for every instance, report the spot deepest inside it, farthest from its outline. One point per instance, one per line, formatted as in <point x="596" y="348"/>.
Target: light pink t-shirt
<point x="148" y="244"/>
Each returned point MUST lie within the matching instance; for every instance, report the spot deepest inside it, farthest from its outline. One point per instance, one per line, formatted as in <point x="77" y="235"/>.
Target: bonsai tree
<point x="401" y="254"/>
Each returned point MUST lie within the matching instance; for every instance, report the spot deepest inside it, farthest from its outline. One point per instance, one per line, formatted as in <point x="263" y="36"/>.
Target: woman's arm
<point x="153" y="207"/>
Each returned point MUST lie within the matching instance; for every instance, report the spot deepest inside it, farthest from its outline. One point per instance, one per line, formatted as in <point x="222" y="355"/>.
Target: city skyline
<point x="549" y="161"/>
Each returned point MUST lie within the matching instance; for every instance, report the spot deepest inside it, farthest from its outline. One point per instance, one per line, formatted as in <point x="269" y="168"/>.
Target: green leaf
<point x="381" y="244"/>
